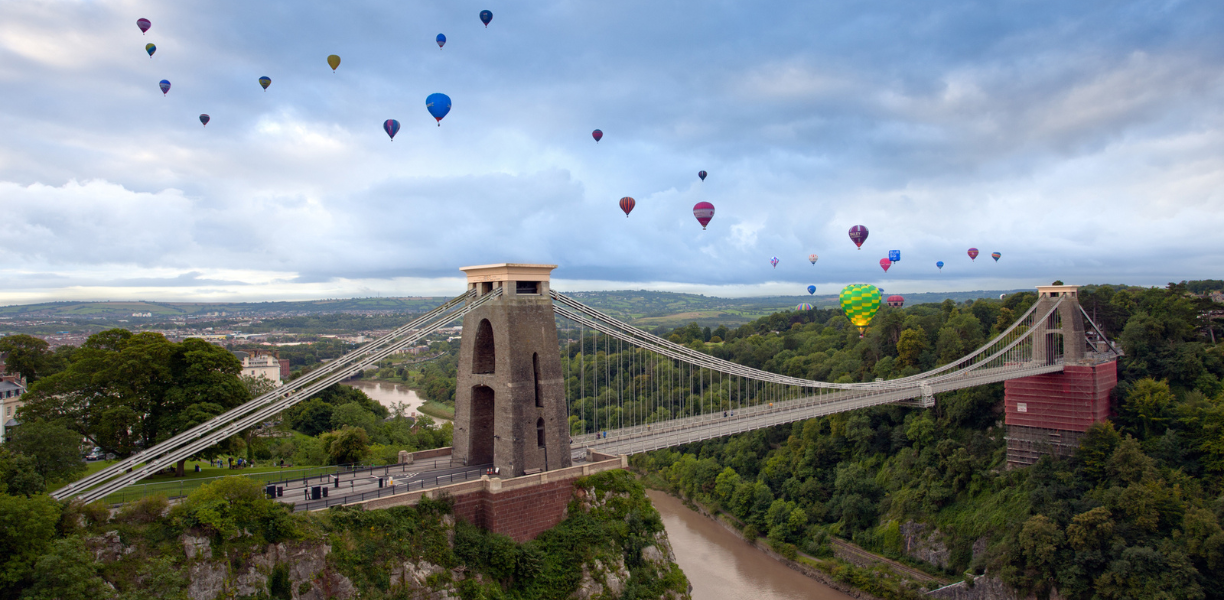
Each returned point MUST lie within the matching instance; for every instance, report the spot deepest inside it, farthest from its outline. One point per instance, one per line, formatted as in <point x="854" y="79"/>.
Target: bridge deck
<point x="676" y="432"/>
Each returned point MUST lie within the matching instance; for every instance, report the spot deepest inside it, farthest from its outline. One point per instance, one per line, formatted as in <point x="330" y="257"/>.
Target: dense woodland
<point x="1135" y="513"/>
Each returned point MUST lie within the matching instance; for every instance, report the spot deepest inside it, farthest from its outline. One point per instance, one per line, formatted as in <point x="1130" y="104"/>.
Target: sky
<point x="1084" y="141"/>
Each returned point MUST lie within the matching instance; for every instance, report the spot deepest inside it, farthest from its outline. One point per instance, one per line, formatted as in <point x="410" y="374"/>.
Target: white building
<point x="260" y="364"/>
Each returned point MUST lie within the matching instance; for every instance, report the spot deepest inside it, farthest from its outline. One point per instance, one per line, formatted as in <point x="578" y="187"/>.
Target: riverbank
<point x="851" y="570"/>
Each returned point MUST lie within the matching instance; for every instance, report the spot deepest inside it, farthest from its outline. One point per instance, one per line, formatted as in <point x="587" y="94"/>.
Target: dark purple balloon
<point x="858" y="235"/>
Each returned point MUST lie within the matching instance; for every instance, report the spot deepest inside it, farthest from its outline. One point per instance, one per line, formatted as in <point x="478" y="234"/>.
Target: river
<point x="722" y="566"/>
<point x="387" y="394"/>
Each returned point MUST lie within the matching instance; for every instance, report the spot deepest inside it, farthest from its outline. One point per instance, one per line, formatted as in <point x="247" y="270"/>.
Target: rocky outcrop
<point x="108" y="547"/>
<point x="306" y="564"/>
<point x="196" y="546"/>
<point x="925" y="544"/>
<point x="600" y="582"/>
<point x="413" y="573"/>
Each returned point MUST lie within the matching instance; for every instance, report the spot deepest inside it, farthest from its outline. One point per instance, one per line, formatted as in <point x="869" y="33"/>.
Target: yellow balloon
<point x="333" y="61"/>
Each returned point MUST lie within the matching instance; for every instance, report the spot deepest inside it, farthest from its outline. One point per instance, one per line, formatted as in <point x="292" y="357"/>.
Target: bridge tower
<point x="510" y="393"/>
<point x="1048" y="414"/>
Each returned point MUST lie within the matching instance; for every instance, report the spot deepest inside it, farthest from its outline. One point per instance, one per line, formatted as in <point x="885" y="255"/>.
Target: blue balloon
<point x="486" y="16"/>
<point x="940" y="265"/>
<point x="441" y="40"/>
<point x="811" y="289"/>
<point x="438" y="105"/>
<point x="894" y="255"/>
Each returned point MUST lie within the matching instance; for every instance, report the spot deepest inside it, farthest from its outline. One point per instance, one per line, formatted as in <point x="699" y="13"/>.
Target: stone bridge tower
<point x="510" y="392"/>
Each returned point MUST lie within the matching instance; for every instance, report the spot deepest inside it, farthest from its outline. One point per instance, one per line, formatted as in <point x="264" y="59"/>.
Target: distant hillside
<point x="667" y="309"/>
<point x="648" y="309"/>
<point x="258" y="309"/>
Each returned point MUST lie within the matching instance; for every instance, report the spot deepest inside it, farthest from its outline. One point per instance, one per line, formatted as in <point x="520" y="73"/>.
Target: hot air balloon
<point x="598" y="135"/>
<point x="150" y="48"/>
<point x="939" y="264"/>
<point x="858" y="235"/>
<point x="438" y="105"/>
<point x="885" y="263"/>
<point x="813" y="258"/>
<point x="804" y="306"/>
<point x="996" y="256"/>
<point x="860" y="302"/>
<point x="1002" y="296"/>
<point x="265" y="81"/>
<point x="391" y="126"/>
<point x="627" y="205"/>
<point x="486" y="16"/>
<point x="144" y="25"/>
<point x="333" y="61"/>
<point x="973" y="252"/>
<point x="204" y="119"/>
<point x="774" y="261"/>
<point x="441" y="40"/>
<point x="165" y="86"/>
<point x="896" y="301"/>
<point x="811" y="289"/>
<point x="704" y="211"/>
<point x="894" y="255"/>
<point x="702" y="175"/>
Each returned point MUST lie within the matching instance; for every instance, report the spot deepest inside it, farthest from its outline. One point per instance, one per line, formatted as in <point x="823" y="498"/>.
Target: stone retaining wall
<point x="521" y="507"/>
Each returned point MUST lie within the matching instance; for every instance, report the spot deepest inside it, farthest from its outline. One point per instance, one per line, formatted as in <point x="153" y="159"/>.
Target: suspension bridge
<point x="526" y="402"/>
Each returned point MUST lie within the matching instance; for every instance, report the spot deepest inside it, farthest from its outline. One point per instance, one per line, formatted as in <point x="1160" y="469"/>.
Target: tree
<point x="18" y="474"/>
<point x="312" y="417"/>
<point x="1147" y="406"/>
<point x="25" y="355"/>
<point x="1040" y="539"/>
<point x="347" y="446"/>
<point x="67" y="571"/>
<point x="56" y="450"/>
<point x="125" y="391"/>
<point x="910" y="346"/>
<point x="27" y="526"/>
<point x="352" y="415"/>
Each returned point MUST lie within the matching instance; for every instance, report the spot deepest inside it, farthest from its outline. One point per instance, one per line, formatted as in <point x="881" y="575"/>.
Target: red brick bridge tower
<point x="1048" y="414"/>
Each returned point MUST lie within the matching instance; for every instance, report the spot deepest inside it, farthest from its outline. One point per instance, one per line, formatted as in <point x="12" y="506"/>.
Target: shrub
<point x="227" y="507"/>
<point x="144" y="510"/>
<point x="751" y="533"/>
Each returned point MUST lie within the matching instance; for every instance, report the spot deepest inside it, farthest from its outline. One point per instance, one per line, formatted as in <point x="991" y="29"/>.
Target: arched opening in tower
<point x="484" y="358"/>
<point x="540" y="433"/>
<point x="480" y="439"/>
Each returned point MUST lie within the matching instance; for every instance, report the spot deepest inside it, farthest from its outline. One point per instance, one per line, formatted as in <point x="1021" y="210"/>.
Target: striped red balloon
<point x="627" y="205"/>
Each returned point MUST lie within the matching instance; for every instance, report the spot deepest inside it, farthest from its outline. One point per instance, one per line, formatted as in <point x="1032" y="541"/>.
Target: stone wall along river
<point x="722" y="566"/>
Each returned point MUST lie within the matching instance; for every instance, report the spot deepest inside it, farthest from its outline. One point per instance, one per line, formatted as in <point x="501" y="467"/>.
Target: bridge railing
<point x="391" y="490"/>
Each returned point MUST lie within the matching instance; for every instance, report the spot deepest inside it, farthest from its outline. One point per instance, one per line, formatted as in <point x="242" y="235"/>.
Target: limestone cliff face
<point x="420" y="552"/>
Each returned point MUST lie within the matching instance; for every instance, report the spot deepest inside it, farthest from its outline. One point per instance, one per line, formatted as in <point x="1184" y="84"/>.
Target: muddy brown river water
<point x="721" y="566"/>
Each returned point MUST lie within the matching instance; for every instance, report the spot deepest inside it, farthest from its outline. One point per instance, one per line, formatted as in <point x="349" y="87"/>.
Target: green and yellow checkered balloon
<point x="860" y="302"/>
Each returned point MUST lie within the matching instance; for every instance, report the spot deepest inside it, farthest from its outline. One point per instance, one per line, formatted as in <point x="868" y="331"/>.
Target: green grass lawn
<point x="438" y="410"/>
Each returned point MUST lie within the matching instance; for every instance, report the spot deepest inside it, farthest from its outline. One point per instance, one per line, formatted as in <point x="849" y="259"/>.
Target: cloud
<point x="1082" y="141"/>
